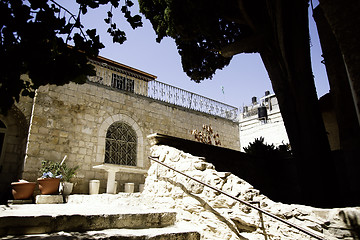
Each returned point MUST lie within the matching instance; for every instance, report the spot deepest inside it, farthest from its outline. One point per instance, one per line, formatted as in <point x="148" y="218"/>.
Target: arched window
<point x="120" y="144"/>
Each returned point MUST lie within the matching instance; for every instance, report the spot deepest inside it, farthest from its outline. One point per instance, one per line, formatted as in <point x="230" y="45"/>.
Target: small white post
<point x="111" y="184"/>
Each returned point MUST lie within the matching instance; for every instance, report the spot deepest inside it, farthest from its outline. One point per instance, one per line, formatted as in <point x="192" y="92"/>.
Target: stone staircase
<point x="83" y="217"/>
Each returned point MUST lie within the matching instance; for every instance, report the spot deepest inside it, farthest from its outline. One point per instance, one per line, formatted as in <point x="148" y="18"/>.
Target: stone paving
<point x="69" y="209"/>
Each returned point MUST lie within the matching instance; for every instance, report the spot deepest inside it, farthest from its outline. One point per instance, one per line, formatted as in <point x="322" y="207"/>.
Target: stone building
<point x="263" y="119"/>
<point x="104" y="121"/>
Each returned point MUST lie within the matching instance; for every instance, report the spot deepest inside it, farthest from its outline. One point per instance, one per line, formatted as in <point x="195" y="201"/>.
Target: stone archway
<point x="14" y="132"/>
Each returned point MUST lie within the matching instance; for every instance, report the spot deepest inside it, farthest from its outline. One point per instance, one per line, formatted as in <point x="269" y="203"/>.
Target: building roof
<point x="125" y="67"/>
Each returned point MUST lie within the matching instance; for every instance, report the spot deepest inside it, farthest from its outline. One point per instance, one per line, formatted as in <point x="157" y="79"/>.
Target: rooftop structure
<point x="121" y="77"/>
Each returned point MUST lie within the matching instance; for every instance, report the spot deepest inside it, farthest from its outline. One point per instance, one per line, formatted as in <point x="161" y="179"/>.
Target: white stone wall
<point x="273" y="130"/>
<point x="72" y="120"/>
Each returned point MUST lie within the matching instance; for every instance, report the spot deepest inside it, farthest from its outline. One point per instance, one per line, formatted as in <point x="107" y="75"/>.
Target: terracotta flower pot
<point x="22" y="190"/>
<point x="49" y="186"/>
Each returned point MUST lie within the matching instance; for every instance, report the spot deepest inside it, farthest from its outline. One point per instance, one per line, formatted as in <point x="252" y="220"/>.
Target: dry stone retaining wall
<point x="218" y="217"/>
<point x="73" y="119"/>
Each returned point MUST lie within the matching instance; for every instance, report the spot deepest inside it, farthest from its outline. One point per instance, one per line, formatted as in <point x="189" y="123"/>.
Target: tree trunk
<point x="287" y="60"/>
<point x="344" y="19"/>
<point x="339" y="39"/>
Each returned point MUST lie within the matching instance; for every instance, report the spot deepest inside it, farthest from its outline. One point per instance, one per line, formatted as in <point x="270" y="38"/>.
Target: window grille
<point x="121" y="142"/>
<point x="122" y="83"/>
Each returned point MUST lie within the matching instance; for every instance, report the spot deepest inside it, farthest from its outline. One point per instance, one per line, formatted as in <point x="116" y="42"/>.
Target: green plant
<point x="50" y="169"/>
<point x="260" y="149"/>
<point x="68" y="172"/>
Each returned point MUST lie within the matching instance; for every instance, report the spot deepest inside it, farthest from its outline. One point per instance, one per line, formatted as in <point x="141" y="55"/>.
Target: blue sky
<point x="244" y="78"/>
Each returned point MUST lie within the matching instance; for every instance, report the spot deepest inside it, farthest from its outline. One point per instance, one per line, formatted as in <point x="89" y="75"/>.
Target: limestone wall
<point x="73" y="119"/>
<point x="219" y="217"/>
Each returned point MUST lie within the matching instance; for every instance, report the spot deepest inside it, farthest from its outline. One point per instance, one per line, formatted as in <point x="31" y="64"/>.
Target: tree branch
<point x="249" y="44"/>
<point x="72" y="16"/>
<point x="245" y="15"/>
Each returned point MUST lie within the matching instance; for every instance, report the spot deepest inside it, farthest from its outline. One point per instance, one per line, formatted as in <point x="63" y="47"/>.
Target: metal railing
<point x="180" y="97"/>
<point x="306" y="231"/>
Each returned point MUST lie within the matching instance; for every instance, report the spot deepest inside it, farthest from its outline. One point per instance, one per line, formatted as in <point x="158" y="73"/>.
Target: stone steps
<point x="167" y="233"/>
<point x="89" y="221"/>
<point x="80" y="223"/>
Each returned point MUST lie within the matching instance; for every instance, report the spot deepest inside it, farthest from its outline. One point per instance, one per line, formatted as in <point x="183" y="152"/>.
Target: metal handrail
<point x="155" y="159"/>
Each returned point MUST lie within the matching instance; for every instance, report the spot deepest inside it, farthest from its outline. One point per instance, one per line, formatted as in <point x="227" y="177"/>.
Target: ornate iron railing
<point x="166" y="93"/>
<point x="170" y="94"/>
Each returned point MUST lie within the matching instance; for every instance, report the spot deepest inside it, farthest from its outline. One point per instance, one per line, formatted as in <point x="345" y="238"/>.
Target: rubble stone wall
<point x="219" y="217"/>
<point x="73" y="119"/>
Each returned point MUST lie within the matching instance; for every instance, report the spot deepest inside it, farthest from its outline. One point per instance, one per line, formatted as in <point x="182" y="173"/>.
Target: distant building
<point x="262" y="119"/>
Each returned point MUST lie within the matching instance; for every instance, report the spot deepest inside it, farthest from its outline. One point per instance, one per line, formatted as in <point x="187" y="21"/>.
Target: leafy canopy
<point x="202" y="30"/>
<point x="35" y="37"/>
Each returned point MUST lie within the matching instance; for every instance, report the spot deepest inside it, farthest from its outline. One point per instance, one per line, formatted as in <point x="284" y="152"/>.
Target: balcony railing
<point x="170" y="94"/>
<point x="167" y="93"/>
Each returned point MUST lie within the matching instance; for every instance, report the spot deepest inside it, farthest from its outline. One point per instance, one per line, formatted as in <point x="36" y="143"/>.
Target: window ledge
<point x="121" y="168"/>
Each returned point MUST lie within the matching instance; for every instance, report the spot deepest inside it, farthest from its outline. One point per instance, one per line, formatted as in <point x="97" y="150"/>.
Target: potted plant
<point x="50" y="177"/>
<point x="22" y="189"/>
<point x="67" y="174"/>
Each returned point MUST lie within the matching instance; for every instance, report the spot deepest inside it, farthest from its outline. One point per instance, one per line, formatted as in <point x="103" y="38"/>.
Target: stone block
<point x="129" y="187"/>
<point x="49" y="199"/>
<point x="141" y="187"/>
